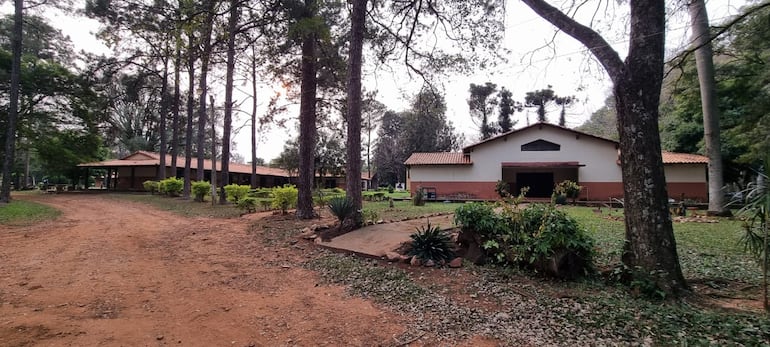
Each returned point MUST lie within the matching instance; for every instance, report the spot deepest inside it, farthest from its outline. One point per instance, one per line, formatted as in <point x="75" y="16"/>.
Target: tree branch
<point x="587" y="36"/>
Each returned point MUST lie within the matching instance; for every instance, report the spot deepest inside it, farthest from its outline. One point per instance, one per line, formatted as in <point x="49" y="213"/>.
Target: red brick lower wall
<point x="468" y="190"/>
<point x="592" y="191"/>
<point x="697" y="191"/>
<point x="601" y="191"/>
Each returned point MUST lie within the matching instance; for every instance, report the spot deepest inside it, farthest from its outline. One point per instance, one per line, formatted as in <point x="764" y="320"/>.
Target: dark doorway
<point x="540" y="183"/>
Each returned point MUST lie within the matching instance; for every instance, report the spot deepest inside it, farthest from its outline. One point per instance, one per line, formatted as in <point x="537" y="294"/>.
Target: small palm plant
<point x="756" y="212"/>
<point x="431" y="243"/>
<point x="342" y="207"/>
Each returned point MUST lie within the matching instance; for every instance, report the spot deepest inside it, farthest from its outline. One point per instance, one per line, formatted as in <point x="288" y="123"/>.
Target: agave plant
<point x="756" y="224"/>
<point x="431" y="243"/>
<point x="341" y="207"/>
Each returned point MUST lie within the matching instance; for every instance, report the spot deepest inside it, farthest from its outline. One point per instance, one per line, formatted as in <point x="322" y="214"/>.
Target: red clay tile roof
<point x="683" y="158"/>
<point x="438" y="158"/>
<point x="145" y="158"/>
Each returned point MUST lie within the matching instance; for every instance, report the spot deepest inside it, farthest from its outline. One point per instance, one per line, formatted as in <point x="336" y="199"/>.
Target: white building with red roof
<point x="539" y="157"/>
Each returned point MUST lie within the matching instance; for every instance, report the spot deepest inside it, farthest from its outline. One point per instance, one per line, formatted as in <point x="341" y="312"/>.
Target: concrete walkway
<point x="375" y="240"/>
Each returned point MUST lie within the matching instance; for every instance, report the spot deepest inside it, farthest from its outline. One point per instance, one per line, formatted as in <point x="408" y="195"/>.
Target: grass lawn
<point x="405" y="209"/>
<point x="23" y="213"/>
<point x="187" y="208"/>
<point x="706" y="250"/>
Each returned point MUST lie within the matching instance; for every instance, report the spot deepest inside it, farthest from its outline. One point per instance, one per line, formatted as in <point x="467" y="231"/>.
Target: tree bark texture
<point x="13" y="104"/>
<point x="650" y="248"/>
<point x="203" y="85"/>
<point x="231" y="31"/>
<point x="307" y="121"/>
<point x="353" y="148"/>
<point x="701" y="41"/>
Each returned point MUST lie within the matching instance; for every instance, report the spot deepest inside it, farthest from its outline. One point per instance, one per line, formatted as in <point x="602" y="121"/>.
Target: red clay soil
<point x="115" y="273"/>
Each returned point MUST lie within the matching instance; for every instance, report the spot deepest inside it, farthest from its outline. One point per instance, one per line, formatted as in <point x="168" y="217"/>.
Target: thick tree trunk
<point x="175" y="110"/>
<point x="13" y="104"/>
<point x="231" y="31"/>
<point x="704" y="60"/>
<point x="203" y="86"/>
<point x="353" y="148"/>
<point x="307" y="121"/>
<point x="190" y="114"/>
<point x="650" y="248"/>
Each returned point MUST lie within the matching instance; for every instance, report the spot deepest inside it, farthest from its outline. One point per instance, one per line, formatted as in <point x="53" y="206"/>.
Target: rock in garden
<point x="415" y="261"/>
<point x="430" y="263"/>
<point x="308" y="234"/>
<point x="456" y="262"/>
<point x="392" y="256"/>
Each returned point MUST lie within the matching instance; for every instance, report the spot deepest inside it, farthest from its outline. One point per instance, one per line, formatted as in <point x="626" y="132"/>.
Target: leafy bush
<point x="526" y="236"/>
<point x="369" y="217"/>
<point x="431" y="243"/>
<point x="498" y="233"/>
<point x="391" y="189"/>
<point x="172" y="186"/>
<point x="503" y="188"/>
<point x="342" y="207"/>
<point x="236" y="192"/>
<point x="549" y="230"/>
<point x="151" y="186"/>
<point x="260" y="193"/>
<point x="285" y="197"/>
<point x="419" y="197"/>
<point x="247" y="204"/>
<point x="200" y="189"/>
<point x="568" y="189"/>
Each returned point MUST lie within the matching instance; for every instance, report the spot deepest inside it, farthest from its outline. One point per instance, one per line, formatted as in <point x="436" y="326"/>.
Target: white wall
<point x="598" y="156"/>
<point x="685" y="173"/>
<point x="441" y="173"/>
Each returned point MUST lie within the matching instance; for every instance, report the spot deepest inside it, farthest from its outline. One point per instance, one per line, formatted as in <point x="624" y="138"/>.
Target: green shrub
<point x="247" y="204"/>
<point x="262" y="193"/>
<point x="524" y="236"/>
<point x="342" y="207"/>
<point x="431" y="243"/>
<point x="419" y="197"/>
<point x="320" y="198"/>
<point x="499" y="233"/>
<point x="391" y="189"/>
<point x="151" y="186"/>
<point x="548" y="230"/>
<point x="200" y="189"/>
<point x="503" y="188"/>
<point x="172" y="186"/>
<point x="568" y="189"/>
<point x="236" y="192"/>
<point x="369" y="217"/>
<point x="285" y="197"/>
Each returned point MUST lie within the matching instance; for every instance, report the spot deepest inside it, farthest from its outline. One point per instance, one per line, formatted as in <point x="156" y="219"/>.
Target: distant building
<point x="128" y="173"/>
<point x="539" y="157"/>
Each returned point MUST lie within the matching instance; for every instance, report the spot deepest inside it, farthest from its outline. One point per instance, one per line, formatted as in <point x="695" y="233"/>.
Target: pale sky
<point x="567" y="68"/>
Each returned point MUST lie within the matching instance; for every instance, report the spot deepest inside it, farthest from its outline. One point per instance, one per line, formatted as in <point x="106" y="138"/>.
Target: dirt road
<point x="114" y="273"/>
